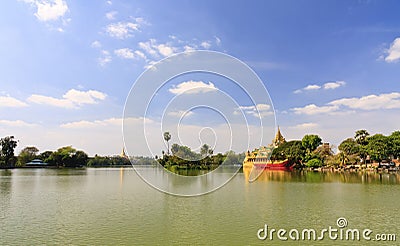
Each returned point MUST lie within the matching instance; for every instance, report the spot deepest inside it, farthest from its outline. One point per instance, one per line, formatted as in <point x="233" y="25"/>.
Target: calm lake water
<point x="114" y="206"/>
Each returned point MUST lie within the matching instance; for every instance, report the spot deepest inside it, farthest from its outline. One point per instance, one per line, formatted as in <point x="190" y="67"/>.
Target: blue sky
<point x="331" y="67"/>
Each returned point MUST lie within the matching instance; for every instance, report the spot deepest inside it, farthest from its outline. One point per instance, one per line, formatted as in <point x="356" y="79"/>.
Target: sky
<point x="67" y="67"/>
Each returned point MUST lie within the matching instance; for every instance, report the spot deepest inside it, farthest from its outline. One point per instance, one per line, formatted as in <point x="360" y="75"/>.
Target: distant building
<point x="279" y="139"/>
<point x="36" y="162"/>
<point x="123" y="155"/>
<point x="325" y="146"/>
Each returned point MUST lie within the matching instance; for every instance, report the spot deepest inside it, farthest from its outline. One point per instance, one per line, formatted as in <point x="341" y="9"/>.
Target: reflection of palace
<point x="367" y="177"/>
<point x="260" y="158"/>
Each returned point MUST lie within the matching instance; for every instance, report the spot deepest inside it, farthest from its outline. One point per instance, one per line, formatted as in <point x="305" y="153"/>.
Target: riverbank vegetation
<point x="64" y="157"/>
<point x="361" y="149"/>
<point x="310" y="151"/>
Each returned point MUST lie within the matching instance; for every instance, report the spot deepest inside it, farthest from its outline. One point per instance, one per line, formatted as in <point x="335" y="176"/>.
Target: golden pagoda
<point x="123" y="155"/>
<point x="279" y="139"/>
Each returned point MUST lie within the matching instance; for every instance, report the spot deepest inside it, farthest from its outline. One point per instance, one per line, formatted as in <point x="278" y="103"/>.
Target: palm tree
<point x="361" y="138"/>
<point x="343" y="158"/>
<point x="167" y="137"/>
<point x="204" y="151"/>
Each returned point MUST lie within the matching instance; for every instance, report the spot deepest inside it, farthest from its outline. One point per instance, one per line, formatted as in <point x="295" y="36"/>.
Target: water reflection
<point x="327" y="177"/>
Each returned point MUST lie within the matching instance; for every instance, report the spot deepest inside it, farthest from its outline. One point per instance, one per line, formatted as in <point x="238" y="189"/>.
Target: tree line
<point x="180" y="156"/>
<point x="309" y="151"/>
<point x="360" y="149"/>
<point x="67" y="156"/>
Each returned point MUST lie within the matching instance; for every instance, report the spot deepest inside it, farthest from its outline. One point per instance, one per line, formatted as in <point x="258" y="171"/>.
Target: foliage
<point x="107" y="161"/>
<point x="361" y="137"/>
<point x="27" y="154"/>
<point x="323" y="152"/>
<point x="378" y="147"/>
<point x="349" y="146"/>
<point x="311" y="142"/>
<point x="205" y="150"/>
<point x="184" y="157"/>
<point x="8" y="144"/>
<point x="315" y="162"/>
<point x="394" y="139"/>
<point x="67" y="157"/>
<point x="292" y="150"/>
<point x="167" y="137"/>
<point x="45" y="155"/>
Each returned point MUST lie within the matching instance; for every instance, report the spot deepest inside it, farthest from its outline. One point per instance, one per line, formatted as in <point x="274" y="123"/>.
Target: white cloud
<point x="259" y="110"/>
<point x="49" y="10"/>
<point x="7" y="101"/>
<point x="312" y="109"/>
<point x="188" y="48"/>
<point x="84" y="97"/>
<point x="393" y="53"/>
<point x="333" y="85"/>
<point x="181" y="113"/>
<point x="111" y="15"/>
<point x="90" y="124"/>
<point x="125" y="53"/>
<point x="140" y="54"/>
<point x="193" y="87"/>
<point x="96" y="44"/>
<point x="16" y="123"/>
<point x="72" y="99"/>
<point x="371" y="102"/>
<point x="311" y="87"/>
<point x="105" y="58"/>
<point x="308" y="88"/>
<point x="165" y="49"/>
<point x="217" y="40"/>
<point x="326" y="86"/>
<point x="109" y="2"/>
<point x="308" y="125"/>
<point x="154" y="49"/>
<point x="205" y="45"/>
<point x="148" y="47"/>
<point x="122" y="30"/>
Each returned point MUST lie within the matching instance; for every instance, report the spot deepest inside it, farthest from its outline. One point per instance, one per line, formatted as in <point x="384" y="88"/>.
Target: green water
<point x="114" y="206"/>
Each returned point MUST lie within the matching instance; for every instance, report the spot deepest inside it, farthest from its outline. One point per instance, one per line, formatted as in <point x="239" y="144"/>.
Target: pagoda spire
<point x="279" y="139"/>
<point x="123" y="155"/>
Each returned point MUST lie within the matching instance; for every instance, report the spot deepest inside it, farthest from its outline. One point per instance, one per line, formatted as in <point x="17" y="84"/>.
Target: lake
<point x="115" y="206"/>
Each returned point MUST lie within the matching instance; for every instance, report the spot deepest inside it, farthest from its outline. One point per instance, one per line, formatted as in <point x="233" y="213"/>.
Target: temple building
<point x="123" y="155"/>
<point x="279" y="139"/>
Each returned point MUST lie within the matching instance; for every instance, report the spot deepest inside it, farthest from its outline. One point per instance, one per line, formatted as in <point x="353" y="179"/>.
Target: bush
<point x="314" y="163"/>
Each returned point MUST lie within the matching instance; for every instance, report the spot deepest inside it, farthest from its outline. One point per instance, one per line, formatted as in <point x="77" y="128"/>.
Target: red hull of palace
<point x="275" y="166"/>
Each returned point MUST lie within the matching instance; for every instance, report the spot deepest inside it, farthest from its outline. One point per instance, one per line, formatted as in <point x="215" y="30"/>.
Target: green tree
<point x="315" y="162"/>
<point x="8" y="144"/>
<point x="349" y="146"/>
<point x="361" y="137"/>
<point x="292" y="150"/>
<point x="323" y="152"/>
<point x="205" y="150"/>
<point x="68" y="157"/>
<point x="174" y="148"/>
<point x="394" y="139"/>
<point x="79" y="159"/>
<point x="167" y="137"/>
<point x="310" y="143"/>
<point x="27" y="154"/>
<point x="45" y="155"/>
<point x="378" y="147"/>
<point x="343" y="158"/>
